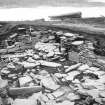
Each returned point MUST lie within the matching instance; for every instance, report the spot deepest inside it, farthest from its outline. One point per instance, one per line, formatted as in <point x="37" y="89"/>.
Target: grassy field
<point x="93" y="26"/>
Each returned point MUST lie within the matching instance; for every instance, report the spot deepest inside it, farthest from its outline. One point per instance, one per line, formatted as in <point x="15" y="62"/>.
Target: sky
<point x="34" y="3"/>
<point x="36" y="9"/>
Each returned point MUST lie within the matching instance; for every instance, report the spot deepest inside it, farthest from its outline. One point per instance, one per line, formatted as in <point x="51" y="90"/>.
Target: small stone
<point x="83" y="67"/>
<point x="28" y="70"/>
<point x="33" y="70"/>
<point x="77" y="42"/>
<point x="15" y="59"/>
<point x="5" y="71"/>
<point x="103" y="100"/>
<point x="102" y="94"/>
<point x="94" y="68"/>
<point x="30" y="59"/>
<point x="59" y="33"/>
<point x="51" y="54"/>
<point x="89" y="87"/>
<point x="51" y="102"/>
<point x="90" y="46"/>
<point x="43" y="73"/>
<point x="58" y="93"/>
<point x="101" y="87"/>
<point x="49" y="64"/>
<point x="3" y="83"/>
<point x="10" y="65"/>
<point x="101" y="61"/>
<point x="72" y="97"/>
<point x="72" y="67"/>
<point x="51" y="37"/>
<point x="36" y="56"/>
<point x="100" y="73"/>
<point x="1" y="103"/>
<point x="31" y="84"/>
<point x="74" y="56"/>
<point x="11" y="76"/>
<point x="29" y="64"/>
<point x="69" y="35"/>
<point x="99" y="100"/>
<point x="57" y="53"/>
<point x="62" y="60"/>
<point x="50" y="96"/>
<point x="59" y="75"/>
<point x="24" y="102"/>
<point x="44" y="98"/>
<point x="66" y="102"/>
<point x="76" y="81"/>
<point x="44" y="56"/>
<point x="94" y="93"/>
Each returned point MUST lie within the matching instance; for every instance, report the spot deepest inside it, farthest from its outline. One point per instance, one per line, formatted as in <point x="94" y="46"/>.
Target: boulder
<point x="71" y="75"/>
<point x="24" y="80"/>
<point x="49" y="83"/>
<point x="24" y="90"/>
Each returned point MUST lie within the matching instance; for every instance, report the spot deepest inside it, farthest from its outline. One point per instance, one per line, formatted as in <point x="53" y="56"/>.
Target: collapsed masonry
<point x="50" y="67"/>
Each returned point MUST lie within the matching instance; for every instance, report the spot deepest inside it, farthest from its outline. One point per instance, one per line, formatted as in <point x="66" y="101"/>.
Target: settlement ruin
<point x="58" y="62"/>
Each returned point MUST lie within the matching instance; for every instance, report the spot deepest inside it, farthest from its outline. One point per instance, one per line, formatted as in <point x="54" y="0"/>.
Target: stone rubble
<point x="60" y="70"/>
